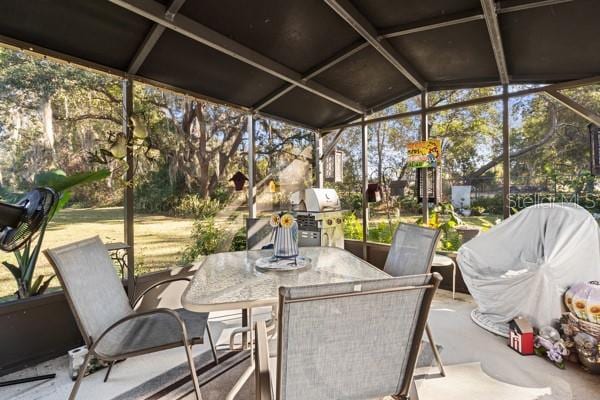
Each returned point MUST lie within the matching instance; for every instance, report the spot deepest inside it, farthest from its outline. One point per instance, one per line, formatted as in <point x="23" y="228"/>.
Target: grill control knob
<point x="338" y="221"/>
<point x="329" y="222"/>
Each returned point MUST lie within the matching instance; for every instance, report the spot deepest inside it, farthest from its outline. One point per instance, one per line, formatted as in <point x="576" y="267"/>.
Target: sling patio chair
<point x="345" y="341"/>
<point x="411" y="253"/>
<point x="111" y="328"/>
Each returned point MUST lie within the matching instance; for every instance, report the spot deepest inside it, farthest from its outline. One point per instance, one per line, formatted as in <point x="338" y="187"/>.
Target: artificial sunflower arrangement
<point x="285" y="235"/>
<point x="282" y="220"/>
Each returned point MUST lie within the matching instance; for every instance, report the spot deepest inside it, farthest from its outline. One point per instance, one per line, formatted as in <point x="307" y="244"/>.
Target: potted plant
<point x="27" y="256"/>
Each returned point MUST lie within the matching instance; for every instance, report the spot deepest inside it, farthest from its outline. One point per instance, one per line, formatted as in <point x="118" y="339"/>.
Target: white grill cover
<point x="523" y="266"/>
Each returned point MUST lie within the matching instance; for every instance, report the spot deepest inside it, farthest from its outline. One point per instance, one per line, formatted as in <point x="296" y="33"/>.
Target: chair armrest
<point x="261" y="361"/>
<point x="184" y="335"/>
<point x="168" y="280"/>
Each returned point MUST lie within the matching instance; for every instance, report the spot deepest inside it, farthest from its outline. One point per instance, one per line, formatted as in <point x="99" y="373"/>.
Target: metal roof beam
<point x="528" y="6"/>
<point x="432" y="23"/>
<point x="315" y="71"/>
<point x="481" y="100"/>
<point x="491" y="20"/>
<point x="152" y="37"/>
<point x="574" y="106"/>
<point x="185" y="26"/>
<point x="360" y="24"/>
<point x="402" y="30"/>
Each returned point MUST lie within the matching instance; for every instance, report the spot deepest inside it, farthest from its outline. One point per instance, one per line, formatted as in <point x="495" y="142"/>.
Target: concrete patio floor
<point x="479" y="365"/>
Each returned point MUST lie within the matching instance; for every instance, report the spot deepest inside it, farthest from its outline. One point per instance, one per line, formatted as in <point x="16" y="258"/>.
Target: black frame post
<point x="505" y="152"/>
<point x="424" y="171"/>
<point x="128" y="204"/>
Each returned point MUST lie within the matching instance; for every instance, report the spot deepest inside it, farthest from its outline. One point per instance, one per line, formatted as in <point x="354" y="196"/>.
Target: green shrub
<point x="352" y="227"/>
<point x="155" y="194"/>
<point x="382" y="233"/>
<point x="477" y="211"/>
<point x="207" y="238"/>
<point x="410" y="205"/>
<point x="192" y="205"/>
<point x="222" y="194"/>
<point x="239" y="240"/>
<point x="492" y="205"/>
<point x="519" y="201"/>
<point x="351" y="201"/>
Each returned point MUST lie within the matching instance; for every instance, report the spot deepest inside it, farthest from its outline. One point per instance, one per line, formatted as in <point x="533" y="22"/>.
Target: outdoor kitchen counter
<point x="226" y="281"/>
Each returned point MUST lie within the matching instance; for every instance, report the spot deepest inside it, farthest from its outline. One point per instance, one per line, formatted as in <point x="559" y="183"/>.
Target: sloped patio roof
<point x="314" y="62"/>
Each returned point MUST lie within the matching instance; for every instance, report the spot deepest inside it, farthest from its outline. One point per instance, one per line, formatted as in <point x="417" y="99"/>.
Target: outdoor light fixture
<point x="238" y="180"/>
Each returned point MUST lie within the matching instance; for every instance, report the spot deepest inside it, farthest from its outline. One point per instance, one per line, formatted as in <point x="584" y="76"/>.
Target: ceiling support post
<point x="195" y="31"/>
<point x="152" y="37"/>
<point x="365" y="182"/>
<point x="127" y="93"/>
<point x="346" y="10"/>
<point x="505" y="152"/>
<point x="423" y="171"/>
<point x="251" y="131"/>
<point x="318" y="159"/>
<point x="491" y="20"/>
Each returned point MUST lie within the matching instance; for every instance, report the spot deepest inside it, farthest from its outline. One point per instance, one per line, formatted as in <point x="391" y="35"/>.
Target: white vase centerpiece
<point x="285" y="231"/>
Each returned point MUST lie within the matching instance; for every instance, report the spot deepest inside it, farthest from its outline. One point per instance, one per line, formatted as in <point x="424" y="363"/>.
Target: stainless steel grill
<point x="321" y="229"/>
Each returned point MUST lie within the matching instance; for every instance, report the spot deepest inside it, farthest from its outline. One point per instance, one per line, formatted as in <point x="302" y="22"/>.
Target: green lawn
<point x="159" y="239"/>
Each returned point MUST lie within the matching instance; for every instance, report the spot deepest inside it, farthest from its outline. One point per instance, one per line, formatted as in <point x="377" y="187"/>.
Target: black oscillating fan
<point x="19" y="223"/>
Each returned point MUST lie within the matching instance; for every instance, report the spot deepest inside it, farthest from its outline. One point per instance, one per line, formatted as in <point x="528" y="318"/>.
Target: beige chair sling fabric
<point x="88" y="276"/>
<point x="411" y="251"/>
<point x="350" y="340"/>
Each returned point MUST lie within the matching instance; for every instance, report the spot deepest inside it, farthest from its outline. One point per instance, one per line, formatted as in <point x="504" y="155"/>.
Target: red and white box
<point x="520" y="336"/>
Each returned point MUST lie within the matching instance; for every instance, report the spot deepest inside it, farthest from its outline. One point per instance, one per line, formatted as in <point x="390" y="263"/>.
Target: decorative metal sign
<point x="424" y="154"/>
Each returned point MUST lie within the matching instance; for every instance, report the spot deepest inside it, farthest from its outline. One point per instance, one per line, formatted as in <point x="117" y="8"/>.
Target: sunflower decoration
<point x="287" y="220"/>
<point x="275" y="220"/>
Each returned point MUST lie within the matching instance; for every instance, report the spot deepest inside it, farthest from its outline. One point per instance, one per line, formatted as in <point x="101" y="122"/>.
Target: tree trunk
<point x="46" y="114"/>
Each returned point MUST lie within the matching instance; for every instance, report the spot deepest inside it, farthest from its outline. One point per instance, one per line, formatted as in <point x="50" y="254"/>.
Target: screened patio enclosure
<point x="324" y="65"/>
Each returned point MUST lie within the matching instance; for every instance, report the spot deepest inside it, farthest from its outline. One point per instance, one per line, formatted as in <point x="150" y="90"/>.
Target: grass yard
<point x="159" y="239"/>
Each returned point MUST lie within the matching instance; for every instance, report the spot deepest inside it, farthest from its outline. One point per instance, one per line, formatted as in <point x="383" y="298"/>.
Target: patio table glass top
<point x="227" y="281"/>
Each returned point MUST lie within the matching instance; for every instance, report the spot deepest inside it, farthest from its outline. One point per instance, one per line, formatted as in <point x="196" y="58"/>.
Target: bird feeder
<point x="238" y="180"/>
<point x="273" y="186"/>
<point x="333" y="167"/>
<point x="374" y="192"/>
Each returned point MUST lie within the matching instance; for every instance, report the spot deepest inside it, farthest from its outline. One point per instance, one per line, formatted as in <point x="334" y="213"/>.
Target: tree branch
<point x="82" y="117"/>
<point x="549" y="135"/>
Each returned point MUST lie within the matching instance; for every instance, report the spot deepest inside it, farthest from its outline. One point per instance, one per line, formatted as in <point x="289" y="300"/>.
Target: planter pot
<point x="467" y="234"/>
<point x="34" y="330"/>
<point x="377" y="254"/>
<point x="466" y="213"/>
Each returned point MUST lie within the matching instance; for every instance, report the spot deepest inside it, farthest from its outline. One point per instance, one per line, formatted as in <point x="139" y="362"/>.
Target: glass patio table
<point x="230" y="281"/>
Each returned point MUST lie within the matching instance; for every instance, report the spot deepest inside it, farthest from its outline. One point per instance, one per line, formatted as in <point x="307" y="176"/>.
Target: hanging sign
<point x="424" y="154"/>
